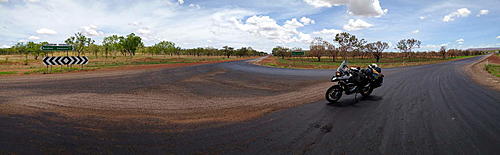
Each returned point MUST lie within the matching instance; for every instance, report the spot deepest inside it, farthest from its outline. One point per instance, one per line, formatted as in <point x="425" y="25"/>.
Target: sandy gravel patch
<point x="478" y="73"/>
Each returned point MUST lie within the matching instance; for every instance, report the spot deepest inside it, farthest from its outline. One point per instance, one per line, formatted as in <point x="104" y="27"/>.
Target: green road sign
<point x="57" y="48"/>
<point x="297" y="53"/>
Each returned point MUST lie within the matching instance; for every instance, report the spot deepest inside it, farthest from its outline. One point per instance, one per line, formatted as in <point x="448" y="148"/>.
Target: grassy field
<point x="493" y="65"/>
<point x="327" y="63"/>
<point x="15" y="64"/>
<point x="8" y="72"/>
<point x="493" y="69"/>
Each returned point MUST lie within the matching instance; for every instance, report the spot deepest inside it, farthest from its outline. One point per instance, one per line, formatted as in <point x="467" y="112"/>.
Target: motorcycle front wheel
<point x="366" y="91"/>
<point x="333" y="94"/>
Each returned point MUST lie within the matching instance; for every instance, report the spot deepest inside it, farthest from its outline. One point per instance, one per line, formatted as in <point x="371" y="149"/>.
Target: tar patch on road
<point x="326" y="128"/>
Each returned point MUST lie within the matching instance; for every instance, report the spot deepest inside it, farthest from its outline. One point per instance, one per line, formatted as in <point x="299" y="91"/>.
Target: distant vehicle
<point x="354" y="80"/>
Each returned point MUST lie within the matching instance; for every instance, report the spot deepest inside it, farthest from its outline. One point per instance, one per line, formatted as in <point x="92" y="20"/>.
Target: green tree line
<point x="350" y="46"/>
<point x="128" y="45"/>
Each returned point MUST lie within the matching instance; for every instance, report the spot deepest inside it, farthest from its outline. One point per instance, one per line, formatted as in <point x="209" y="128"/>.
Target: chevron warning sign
<point x="66" y="60"/>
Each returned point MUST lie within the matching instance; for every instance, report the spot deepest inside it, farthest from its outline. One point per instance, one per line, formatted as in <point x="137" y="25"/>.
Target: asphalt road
<point x="430" y="109"/>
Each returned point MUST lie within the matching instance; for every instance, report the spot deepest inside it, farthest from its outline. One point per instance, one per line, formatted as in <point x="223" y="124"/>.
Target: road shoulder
<point x="478" y="73"/>
<point x="104" y="72"/>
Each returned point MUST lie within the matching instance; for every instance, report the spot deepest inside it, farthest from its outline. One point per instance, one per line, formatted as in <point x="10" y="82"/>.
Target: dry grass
<point x="493" y="65"/>
<point x="16" y="64"/>
<point x="311" y="63"/>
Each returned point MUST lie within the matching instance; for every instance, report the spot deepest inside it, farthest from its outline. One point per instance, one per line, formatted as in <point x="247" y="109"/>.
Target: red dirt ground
<point x="494" y="59"/>
<point x="134" y="67"/>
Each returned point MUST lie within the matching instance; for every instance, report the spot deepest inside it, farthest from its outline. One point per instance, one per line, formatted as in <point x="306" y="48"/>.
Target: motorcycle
<point x="353" y="81"/>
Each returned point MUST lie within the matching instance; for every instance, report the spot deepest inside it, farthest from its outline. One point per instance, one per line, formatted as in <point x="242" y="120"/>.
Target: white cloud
<point x="267" y="27"/>
<point x="33" y="38"/>
<point x="462" y="12"/>
<point x="483" y="12"/>
<point x="358" y="24"/>
<point x="415" y="31"/>
<point x="91" y="30"/>
<point x="5" y="46"/>
<point x="460" y="41"/>
<point x="307" y="21"/>
<point x="328" y="32"/>
<point x="46" y="31"/>
<point x="180" y="1"/>
<point x="33" y="1"/>
<point x="498" y="37"/>
<point x="433" y="46"/>
<point x="355" y="7"/>
<point x="22" y="41"/>
<point x="293" y="24"/>
<point x="305" y="38"/>
<point x="421" y="17"/>
<point x="366" y="8"/>
<point x="325" y="3"/>
<point x="144" y="31"/>
<point x="147" y="34"/>
<point x="196" y="6"/>
<point x="229" y="18"/>
<point x="135" y="23"/>
<point x="1" y="1"/>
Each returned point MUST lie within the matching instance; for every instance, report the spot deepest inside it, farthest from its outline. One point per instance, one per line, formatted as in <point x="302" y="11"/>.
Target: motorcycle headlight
<point x="338" y="74"/>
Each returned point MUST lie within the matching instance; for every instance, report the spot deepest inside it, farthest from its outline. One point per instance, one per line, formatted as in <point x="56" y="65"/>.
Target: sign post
<point x="63" y="60"/>
<point x="55" y="47"/>
<point x="298" y="53"/>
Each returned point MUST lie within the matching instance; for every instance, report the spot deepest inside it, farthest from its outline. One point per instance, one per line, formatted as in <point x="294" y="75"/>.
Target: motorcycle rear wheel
<point x="333" y="94"/>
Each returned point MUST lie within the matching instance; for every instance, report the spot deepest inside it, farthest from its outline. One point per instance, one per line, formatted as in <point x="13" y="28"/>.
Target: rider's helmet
<point x="375" y="67"/>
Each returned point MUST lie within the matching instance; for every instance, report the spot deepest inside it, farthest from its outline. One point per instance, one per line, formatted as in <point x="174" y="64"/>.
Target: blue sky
<point x="261" y="24"/>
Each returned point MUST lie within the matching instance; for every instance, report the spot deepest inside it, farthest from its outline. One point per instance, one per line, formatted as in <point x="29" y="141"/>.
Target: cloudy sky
<point x="262" y="24"/>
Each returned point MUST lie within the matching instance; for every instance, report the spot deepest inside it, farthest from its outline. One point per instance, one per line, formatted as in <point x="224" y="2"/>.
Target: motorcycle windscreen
<point x="342" y="66"/>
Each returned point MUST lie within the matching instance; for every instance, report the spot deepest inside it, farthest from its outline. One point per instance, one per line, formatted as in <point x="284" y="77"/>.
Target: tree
<point x="360" y="48"/>
<point x="111" y="43"/>
<point x="377" y="48"/>
<point x="131" y="43"/>
<point x="94" y="49"/>
<point x="165" y="47"/>
<point x="79" y="41"/>
<point x="34" y="49"/>
<point x="317" y="48"/>
<point x="242" y="51"/>
<point x="406" y="45"/>
<point x="228" y="51"/>
<point x="280" y="51"/>
<point x="91" y="47"/>
<point x="45" y="53"/>
<point x="21" y="48"/>
<point x="251" y="52"/>
<point x="442" y="51"/>
<point x="331" y="50"/>
<point x="347" y="42"/>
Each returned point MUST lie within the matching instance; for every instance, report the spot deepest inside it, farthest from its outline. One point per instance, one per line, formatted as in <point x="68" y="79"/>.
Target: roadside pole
<point x="61" y="60"/>
<point x="67" y="55"/>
